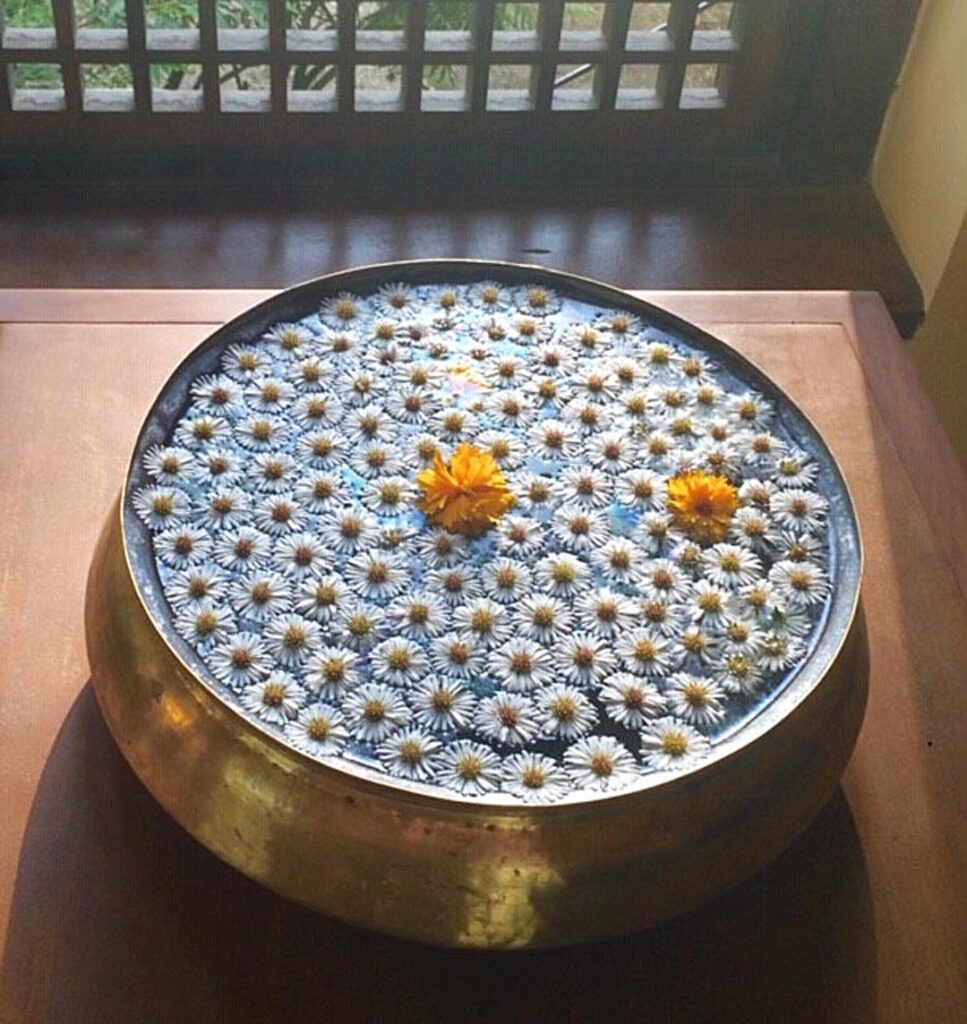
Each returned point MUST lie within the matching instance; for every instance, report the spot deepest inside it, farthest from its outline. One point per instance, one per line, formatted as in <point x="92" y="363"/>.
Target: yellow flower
<point x="702" y="505"/>
<point x="468" y="496"/>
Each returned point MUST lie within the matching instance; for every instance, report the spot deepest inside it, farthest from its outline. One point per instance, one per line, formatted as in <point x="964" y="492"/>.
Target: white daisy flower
<point x="398" y="661"/>
<point x="759" y="449"/>
<point x="800" y="585"/>
<point x="634" y="405"/>
<point x="321" y="598"/>
<point x="792" y="621"/>
<point x="612" y="451"/>
<point x="310" y="374"/>
<point x="506" y="580"/>
<point x="754" y="491"/>
<point x="631" y="701"/>
<point x="439" y="549"/>
<point x="454" y="425"/>
<point x="584" y="659"/>
<point x="587" y="416"/>
<point x="276" y="699"/>
<point x="553" y="440"/>
<point x="621" y="324"/>
<point x="198" y="432"/>
<point x="719" y="457"/>
<point x="376" y="575"/>
<point x="320" y="491"/>
<point x="260" y="433"/>
<point x="409" y="404"/>
<point x="548" y="393"/>
<point x="605" y="613"/>
<point x="521" y="665"/>
<point x="695" y="699"/>
<point x="279" y="514"/>
<point x="695" y="647"/>
<point x="661" y="359"/>
<point x="272" y="472"/>
<point x="739" y="636"/>
<point x="487" y="622"/>
<point x="588" y="340"/>
<point x="453" y="584"/>
<point x="529" y="330"/>
<point x="374" y="711"/>
<point x="510" y="409"/>
<point x="552" y="358"/>
<point x="442" y="705"/>
<point x="319" y="409"/>
<point x="223" y="507"/>
<point x="600" y="762"/>
<point x="750" y="411"/>
<point x="319" y="730"/>
<point x="759" y="602"/>
<point x="376" y="458"/>
<point x="241" y="660"/>
<point x="798" y="510"/>
<point x="418" y="615"/>
<point x="389" y="495"/>
<point x="300" y="555"/>
<point x="194" y="585"/>
<point x="217" y="395"/>
<point x="204" y="624"/>
<point x="594" y="383"/>
<point x="641" y="488"/>
<point x="731" y="566"/>
<point x="662" y="577"/>
<point x="507" y="718"/>
<point x="288" y="340"/>
<point x="331" y="672"/>
<point x="561" y="574"/>
<point x="261" y="596"/>
<point x="340" y="346"/>
<point x="323" y="449"/>
<point x="423" y="450"/>
<point x="585" y="487"/>
<point x="422" y="375"/>
<point x="505" y="449"/>
<point x="242" y="549"/>
<point x="369" y="423"/>
<point x="687" y="555"/>
<point x="709" y="604"/>
<point x="349" y="531"/>
<point x="543" y="618"/>
<point x="626" y="372"/>
<point x="219" y="465"/>
<point x="410" y="754"/>
<point x="661" y="450"/>
<point x="656" y="535"/>
<point x="506" y="371"/>
<point x="343" y="310"/>
<point x="534" y="778"/>
<point x="455" y="656"/>
<point x="181" y="546"/>
<point x="469" y="768"/>
<point x="519" y="536"/>
<point x="618" y="561"/>
<point x="395" y="299"/>
<point x="242" y="361"/>
<point x="707" y="399"/>
<point x="567" y="712"/>
<point x="160" y="508"/>
<point x="168" y="465"/>
<point x="644" y="652"/>
<point x="778" y="651"/>
<point x="800" y="547"/>
<point x="738" y="673"/>
<point x="670" y="744"/>
<point x="381" y="334"/>
<point x="291" y="639"/>
<point x="753" y="528"/>
<point x="360" y="388"/>
<point x="535" y="492"/>
<point x="537" y="300"/>
<point x="578" y="529"/>
<point x="795" y="469"/>
<point x="268" y="394"/>
<point x="490" y="296"/>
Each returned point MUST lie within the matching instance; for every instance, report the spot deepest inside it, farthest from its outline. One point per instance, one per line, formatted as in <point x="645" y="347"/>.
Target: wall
<point x="920" y="178"/>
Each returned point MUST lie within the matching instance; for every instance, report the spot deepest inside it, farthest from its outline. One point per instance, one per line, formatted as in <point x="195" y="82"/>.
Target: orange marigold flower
<point x="468" y="496"/>
<point x="702" y="505"/>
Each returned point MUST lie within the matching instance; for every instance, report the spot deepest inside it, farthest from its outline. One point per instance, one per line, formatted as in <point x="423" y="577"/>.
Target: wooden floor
<point x="832" y="237"/>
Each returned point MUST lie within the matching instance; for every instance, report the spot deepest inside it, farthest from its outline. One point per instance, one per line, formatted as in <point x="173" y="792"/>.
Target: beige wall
<point x="920" y="177"/>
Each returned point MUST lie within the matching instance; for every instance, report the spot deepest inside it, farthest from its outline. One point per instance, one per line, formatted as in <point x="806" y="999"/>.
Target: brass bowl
<point x="447" y="869"/>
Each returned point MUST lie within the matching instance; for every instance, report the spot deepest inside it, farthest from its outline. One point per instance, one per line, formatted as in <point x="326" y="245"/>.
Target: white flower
<point x="622" y="325"/>
<point x="521" y="665"/>
<point x="534" y="778"/>
<point x="707" y="399"/>
<point x="510" y="408"/>
<point x="398" y="661"/>
<point x="537" y="300"/>
<point x="395" y="300"/>
<point x="339" y="346"/>
<point x="318" y="410"/>
<point x="194" y="585"/>
<point x="517" y="535"/>
<point x="160" y="508"/>
<point x="800" y="547"/>
<point x="279" y="514"/>
<point x="588" y="340"/>
<point x="695" y="699"/>
<point x="671" y="744"/>
<point x="567" y="712"/>
<point x="750" y="411"/>
<point x="618" y="561"/>
<point x="454" y="655"/>
<point x="320" y="491"/>
<point x="322" y="449"/>
<point x="319" y="730"/>
<point x="561" y="574"/>
<point x="777" y="651"/>
<point x="423" y="450"/>
<point x="543" y="618"/>
<point x="484" y="620"/>
<point x="759" y="449"/>
<point x="663" y="578"/>
<point x="600" y="762"/>
<point x="442" y="704"/>
<point x="754" y="491"/>
<point x="611" y="451"/>
<point x="418" y="615"/>
<point x="584" y="659"/>
<point x="579" y="529"/>
<point x="709" y="604"/>
<point x="198" y="432"/>
<point x="360" y="624"/>
<point x="275" y="699"/>
<point x="331" y="672"/>
<point x="626" y="372"/>
<point x="469" y="768"/>
<point x="660" y="450"/>
<point x="299" y="555"/>
<point x="268" y="394"/>
<point x="656" y="535"/>
<point x="219" y="465"/>
<point x="241" y="361"/>
<point x="585" y="487"/>
<point x="644" y="653"/>
<point x="291" y="639"/>
<point x="168" y="465"/>
<point x="635" y="405"/>
<point x="795" y="469"/>
<point x="507" y="718"/>
<point x="454" y="584"/>
<point x="217" y="395"/>
<point x="605" y="613"/>
<point x="695" y="647"/>
<point x="272" y="472"/>
<point x="410" y="754"/>
<point x="506" y="580"/>
<point x="506" y="371"/>
<point x="373" y="711"/>
<point x="505" y="449"/>
<point x="552" y="358"/>
<point x="181" y="546"/>
<point x="224" y="507"/>
<point x="260" y="596"/>
<point x="630" y="701"/>
<point x="662" y="615"/>
<point x="287" y="340"/>
<point x="438" y="549"/>
<point x="661" y="359"/>
<point x="308" y="374"/>
<point x="321" y="598"/>
<point x="759" y="602"/>
<point x="548" y="392"/>
<point x="594" y="383"/>
<point x="204" y="624"/>
<point x="799" y="584"/>
<point x="587" y="416"/>
<point x="687" y="555"/>
<point x="731" y="566"/>
<point x="641" y="488"/>
<point x="453" y="424"/>
<point x="349" y="531"/>
<point x="343" y="310"/>
<point x="752" y="528"/>
<point x="798" y="510"/>
<point x="534" y="492"/>
<point x="242" y="549"/>
<point x="240" y="660"/>
<point x="739" y="636"/>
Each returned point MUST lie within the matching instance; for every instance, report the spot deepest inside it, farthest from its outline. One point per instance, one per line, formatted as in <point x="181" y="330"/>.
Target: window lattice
<point x="346" y="56"/>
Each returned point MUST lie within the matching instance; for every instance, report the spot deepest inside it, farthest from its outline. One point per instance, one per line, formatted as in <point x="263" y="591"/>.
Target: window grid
<point x="597" y="58"/>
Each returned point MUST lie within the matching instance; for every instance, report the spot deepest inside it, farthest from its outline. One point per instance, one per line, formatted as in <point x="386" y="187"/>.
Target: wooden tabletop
<point x="112" y="914"/>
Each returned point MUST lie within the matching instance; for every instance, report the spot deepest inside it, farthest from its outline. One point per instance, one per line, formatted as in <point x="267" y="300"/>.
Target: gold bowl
<point x="453" y="870"/>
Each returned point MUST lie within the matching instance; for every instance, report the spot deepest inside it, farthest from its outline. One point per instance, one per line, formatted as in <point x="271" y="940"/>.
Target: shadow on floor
<point x="119" y="916"/>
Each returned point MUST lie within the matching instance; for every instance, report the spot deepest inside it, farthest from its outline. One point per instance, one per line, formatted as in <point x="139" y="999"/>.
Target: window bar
<point x="617" y="19"/>
<point x="278" y="69"/>
<point x="65" y="27"/>
<point x="345" y="56"/>
<point x="6" y="85"/>
<point x="681" y="25"/>
<point x="137" y="45"/>
<point x="549" y="24"/>
<point x="208" y="35"/>
<point x="483" y="38"/>
<point x="415" y="41"/>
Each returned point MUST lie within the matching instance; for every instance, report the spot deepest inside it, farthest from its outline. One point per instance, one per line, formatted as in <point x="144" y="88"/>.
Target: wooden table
<point x="112" y="913"/>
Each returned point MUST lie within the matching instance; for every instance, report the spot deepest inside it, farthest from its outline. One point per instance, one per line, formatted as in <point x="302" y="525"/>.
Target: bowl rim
<point x="804" y="679"/>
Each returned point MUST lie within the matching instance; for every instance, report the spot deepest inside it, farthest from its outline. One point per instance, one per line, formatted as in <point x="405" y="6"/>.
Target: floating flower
<point x="410" y="754"/>
<point x="631" y="701"/>
<point x="600" y="762"/>
<point x="442" y="705"/>
<point x="319" y="730"/>
<point x="567" y="712"/>
<point x="468" y="496"/>
<point x="374" y="711"/>
<point x="671" y="744"/>
<point x="469" y="768"/>
<point x="702" y="505"/>
<point x="261" y="596"/>
<point x="276" y="699"/>
<point x="507" y="718"/>
<point x="534" y="778"/>
<point x="331" y="672"/>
